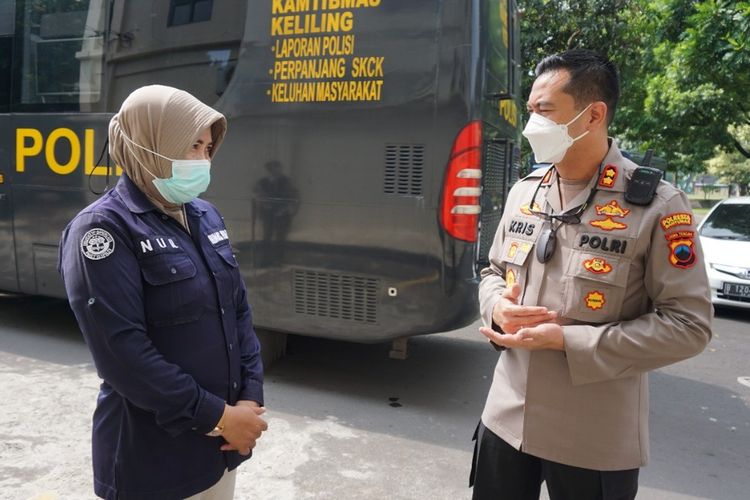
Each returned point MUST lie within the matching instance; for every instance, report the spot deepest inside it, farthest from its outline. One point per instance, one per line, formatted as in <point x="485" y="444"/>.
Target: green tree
<point x="698" y="89"/>
<point x="611" y="27"/>
<point x="684" y="65"/>
<point x="731" y="166"/>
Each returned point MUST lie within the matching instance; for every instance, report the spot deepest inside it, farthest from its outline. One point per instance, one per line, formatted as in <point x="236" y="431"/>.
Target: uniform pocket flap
<point x="516" y="251"/>
<point x="167" y="268"/>
<point x="600" y="268"/>
<point x="227" y="254"/>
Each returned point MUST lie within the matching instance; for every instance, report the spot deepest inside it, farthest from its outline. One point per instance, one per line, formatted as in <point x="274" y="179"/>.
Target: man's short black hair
<point x="592" y="77"/>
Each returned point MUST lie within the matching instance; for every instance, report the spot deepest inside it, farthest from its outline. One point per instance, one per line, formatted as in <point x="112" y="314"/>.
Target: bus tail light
<point x="462" y="188"/>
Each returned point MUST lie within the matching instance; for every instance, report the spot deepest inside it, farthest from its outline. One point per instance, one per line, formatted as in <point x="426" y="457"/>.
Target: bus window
<point x="189" y="11"/>
<point x="58" y="54"/>
<point x="498" y="35"/>
<point x="7" y="24"/>
<point x="189" y="44"/>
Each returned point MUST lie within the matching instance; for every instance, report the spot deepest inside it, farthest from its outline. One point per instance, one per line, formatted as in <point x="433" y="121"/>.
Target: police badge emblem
<point x="97" y="244"/>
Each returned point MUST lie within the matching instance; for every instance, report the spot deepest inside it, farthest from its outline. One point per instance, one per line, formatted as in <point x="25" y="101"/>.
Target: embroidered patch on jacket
<point x="604" y="243"/>
<point x="677" y="219"/>
<point x="218" y="236"/>
<point x="612" y="209"/>
<point x="526" y="210"/>
<point x="522" y="227"/>
<point x="595" y="300"/>
<point x="681" y="249"/>
<point x="510" y="278"/>
<point x="518" y="246"/>
<point x="97" y="244"/>
<point x="608" y="177"/>
<point x="512" y="249"/>
<point x="149" y="245"/>
<point x="597" y="265"/>
<point x="608" y="224"/>
<point x="680" y="235"/>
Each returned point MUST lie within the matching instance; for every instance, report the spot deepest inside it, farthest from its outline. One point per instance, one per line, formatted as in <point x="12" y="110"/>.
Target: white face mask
<point x="549" y="140"/>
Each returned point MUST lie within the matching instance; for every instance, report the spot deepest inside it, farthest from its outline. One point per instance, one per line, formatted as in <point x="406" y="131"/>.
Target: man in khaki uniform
<point x="594" y="280"/>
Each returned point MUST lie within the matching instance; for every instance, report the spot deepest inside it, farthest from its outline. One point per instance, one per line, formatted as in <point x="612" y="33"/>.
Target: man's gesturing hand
<point x="544" y="336"/>
<point x="511" y="317"/>
<point x="242" y="427"/>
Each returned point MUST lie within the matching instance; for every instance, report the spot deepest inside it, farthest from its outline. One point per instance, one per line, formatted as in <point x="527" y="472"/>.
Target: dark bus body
<point x="371" y="144"/>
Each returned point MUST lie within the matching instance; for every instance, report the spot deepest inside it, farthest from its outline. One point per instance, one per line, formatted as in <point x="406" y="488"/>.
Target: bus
<point x="370" y="150"/>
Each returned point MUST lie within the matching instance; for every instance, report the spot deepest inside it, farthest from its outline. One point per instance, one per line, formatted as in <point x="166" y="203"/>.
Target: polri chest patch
<point x="97" y="244"/>
<point x="602" y="244"/>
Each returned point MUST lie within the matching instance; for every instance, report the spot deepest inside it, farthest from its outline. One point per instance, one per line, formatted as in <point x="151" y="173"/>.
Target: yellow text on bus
<point x="31" y="143"/>
<point x="508" y="109"/>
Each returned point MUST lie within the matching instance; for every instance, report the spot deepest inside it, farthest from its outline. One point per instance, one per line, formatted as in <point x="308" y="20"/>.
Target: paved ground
<point x="346" y="422"/>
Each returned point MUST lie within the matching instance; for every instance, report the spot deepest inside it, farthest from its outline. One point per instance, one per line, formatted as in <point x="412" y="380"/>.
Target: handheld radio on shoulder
<point x="642" y="185"/>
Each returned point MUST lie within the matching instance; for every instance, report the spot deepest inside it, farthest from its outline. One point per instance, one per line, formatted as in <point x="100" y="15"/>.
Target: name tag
<point x="218" y="236"/>
<point x="156" y="244"/>
<point x="523" y="228"/>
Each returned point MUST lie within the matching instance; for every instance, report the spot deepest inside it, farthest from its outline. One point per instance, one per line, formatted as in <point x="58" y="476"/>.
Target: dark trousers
<point x="500" y="472"/>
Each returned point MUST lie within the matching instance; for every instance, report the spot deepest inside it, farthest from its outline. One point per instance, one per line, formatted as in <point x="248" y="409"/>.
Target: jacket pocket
<point x="228" y="273"/>
<point x="172" y="293"/>
<point x="594" y="287"/>
<point x="226" y="253"/>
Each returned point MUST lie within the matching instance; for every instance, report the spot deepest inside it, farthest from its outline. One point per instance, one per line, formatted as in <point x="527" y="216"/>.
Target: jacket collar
<point x="612" y="178"/>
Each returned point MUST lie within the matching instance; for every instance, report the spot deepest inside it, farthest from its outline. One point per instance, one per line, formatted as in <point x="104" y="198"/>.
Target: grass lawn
<point x="701" y="212"/>
<point x="701" y="204"/>
<point x="712" y="196"/>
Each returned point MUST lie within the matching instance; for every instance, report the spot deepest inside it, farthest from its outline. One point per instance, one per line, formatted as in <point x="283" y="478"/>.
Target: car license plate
<point x="737" y="290"/>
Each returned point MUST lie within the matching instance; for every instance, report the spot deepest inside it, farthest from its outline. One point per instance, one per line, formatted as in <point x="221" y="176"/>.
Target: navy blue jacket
<point x="166" y="317"/>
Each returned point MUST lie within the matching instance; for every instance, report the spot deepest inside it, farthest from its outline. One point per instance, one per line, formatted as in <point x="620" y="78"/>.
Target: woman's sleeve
<point x="252" y="365"/>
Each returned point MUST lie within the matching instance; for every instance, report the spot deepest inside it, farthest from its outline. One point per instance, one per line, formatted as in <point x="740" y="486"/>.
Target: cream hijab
<point x="165" y="120"/>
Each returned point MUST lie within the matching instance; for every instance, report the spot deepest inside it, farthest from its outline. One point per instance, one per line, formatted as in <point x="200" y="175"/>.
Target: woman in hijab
<point x="151" y="277"/>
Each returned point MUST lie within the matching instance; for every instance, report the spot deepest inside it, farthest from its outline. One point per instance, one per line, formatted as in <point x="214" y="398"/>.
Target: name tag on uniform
<point x="157" y="244"/>
<point x="523" y="227"/>
<point x="218" y="236"/>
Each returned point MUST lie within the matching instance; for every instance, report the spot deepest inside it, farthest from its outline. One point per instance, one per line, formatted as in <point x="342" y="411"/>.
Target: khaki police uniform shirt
<point x="631" y="290"/>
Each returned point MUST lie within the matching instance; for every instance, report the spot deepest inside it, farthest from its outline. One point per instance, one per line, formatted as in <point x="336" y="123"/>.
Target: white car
<point x="725" y="237"/>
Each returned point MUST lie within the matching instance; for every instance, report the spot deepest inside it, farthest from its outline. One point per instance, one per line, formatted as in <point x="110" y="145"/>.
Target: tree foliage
<point x="731" y="166"/>
<point x="684" y="67"/>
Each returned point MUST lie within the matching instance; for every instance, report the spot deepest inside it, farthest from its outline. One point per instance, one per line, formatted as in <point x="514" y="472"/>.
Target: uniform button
<point x="231" y="346"/>
<point x="214" y="273"/>
<point x="92" y="300"/>
<point x="164" y="217"/>
<point x="234" y="385"/>
<point x="173" y="270"/>
<point x="222" y="310"/>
